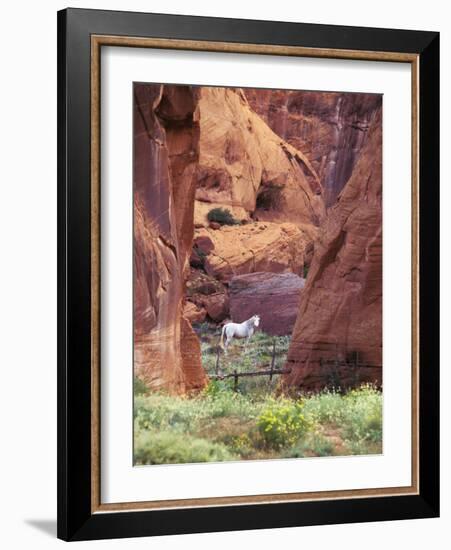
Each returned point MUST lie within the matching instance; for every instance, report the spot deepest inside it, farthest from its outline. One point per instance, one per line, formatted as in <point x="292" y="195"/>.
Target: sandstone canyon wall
<point x="246" y="167"/>
<point x="166" y="140"/>
<point x="330" y="128"/>
<point x="340" y="312"/>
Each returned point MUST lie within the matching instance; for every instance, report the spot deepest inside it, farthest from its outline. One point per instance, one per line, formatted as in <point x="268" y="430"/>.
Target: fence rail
<point x="236" y="375"/>
<point x="350" y="364"/>
<point x="335" y="365"/>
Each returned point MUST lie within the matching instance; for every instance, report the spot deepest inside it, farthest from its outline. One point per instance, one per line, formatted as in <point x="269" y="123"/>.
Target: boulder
<point x="340" y="311"/>
<point x="207" y="295"/>
<point x="217" y="306"/>
<point x="257" y="246"/>
<point x="195" y="259"/>
<point x="203" y="244"/>
<point x="273" y="296"/>
<point x="199" y="284"/>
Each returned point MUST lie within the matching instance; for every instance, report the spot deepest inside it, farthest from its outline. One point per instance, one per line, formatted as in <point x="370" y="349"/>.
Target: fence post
<point x="336" y="376"/>
<point x="217" y="362"/>
<point x="235" y="380"/>
<point x="357" y="372"/>
<point x="273" y="359"/>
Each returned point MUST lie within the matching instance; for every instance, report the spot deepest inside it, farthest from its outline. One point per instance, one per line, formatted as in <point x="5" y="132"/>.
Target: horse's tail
<point x="221" y="341"/>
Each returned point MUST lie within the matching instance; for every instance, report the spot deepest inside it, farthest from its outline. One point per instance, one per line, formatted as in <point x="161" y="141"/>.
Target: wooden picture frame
<point x="81" y="35"/>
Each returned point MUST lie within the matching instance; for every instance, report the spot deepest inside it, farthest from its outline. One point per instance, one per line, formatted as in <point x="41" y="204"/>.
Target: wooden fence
<point x="236" y="375"/>
<point x="352" y="363"/>
<point x="333" y="366"/>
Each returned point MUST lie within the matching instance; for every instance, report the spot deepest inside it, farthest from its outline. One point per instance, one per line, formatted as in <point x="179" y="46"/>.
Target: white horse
<point x="238" y="330"/>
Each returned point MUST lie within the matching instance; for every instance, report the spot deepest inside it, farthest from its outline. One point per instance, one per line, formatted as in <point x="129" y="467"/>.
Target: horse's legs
<point x="246" y="342"/>
<point x="226" y="343"/>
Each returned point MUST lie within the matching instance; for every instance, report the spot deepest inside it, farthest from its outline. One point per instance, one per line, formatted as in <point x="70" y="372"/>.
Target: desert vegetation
<point x="254" y="422"/>
<point x="223" y="216"/>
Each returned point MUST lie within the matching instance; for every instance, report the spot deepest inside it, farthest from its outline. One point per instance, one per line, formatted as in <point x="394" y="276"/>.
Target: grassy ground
<point x="253" y="423"/>
<point x="254" y="356"/>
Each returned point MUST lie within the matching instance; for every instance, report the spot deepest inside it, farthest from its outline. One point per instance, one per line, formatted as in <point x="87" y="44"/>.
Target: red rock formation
<point x="199" y="148"/>
<point x="206" y="296"/>
<point x="217" y="306"/>
<point x="340" y="311"/>
<point x="273" y="247"/>
<point x="166" y="135"/>
<point x="330" y="128"/>
<point x="194" y="313"/>
<point x="240" y="157"/>
<point x="273" y="296"/>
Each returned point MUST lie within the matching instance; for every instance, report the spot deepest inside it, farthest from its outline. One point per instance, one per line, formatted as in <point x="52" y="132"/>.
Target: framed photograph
<point x="248" y="274"/>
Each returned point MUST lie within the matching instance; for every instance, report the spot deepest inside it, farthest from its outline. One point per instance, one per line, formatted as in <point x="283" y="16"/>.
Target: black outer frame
<point x="75" y="520"/>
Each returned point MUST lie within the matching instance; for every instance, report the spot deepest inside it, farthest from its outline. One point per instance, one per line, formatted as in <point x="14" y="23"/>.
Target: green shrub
<point x="215" y="388"/>
<point x="183" y="414"/>
<point x="282" y="423"/>
<point x="222" y="216"/>
<point x="163" y="412"/>
<point x="357" y="414"/>
<point x="229" y="403"/>
<point x="314" y="445"/>
<point x="177" y="448"/>
<point x="220" y="424"/>
<point x="139" y="387"/>
<point x="242" y="444"/>
<point x="363" y="419"/>
<point x="327" y="407"/>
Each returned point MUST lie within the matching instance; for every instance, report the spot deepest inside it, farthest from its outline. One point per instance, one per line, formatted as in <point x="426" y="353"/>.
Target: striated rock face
<point x="275" y="297"/>
<point x="340" y="312"/>
<point x="166" y="138"/>
<point x="267" y="246"/>
<point x="330" y="128"/>
<point x="245" y="167"/>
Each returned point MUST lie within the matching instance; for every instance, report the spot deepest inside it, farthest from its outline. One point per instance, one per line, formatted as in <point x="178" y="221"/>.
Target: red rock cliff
<point x="166" y="136"/>
<point x="340" y="312"/>
<point x="330" y="128"/>
<point x="245" y="167"/>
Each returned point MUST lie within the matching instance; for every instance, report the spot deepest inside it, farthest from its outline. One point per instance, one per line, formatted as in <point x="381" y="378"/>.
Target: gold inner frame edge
<point x="97" y="41"/>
